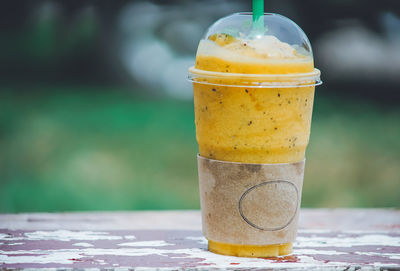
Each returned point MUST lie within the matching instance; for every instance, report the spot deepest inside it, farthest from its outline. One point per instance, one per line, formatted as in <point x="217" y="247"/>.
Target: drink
<point x="253" y="104"/>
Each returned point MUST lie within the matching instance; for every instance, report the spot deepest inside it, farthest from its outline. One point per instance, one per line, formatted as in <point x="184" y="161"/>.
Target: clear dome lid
<point x="277" y="48"/>
<point x="239" y="25"/>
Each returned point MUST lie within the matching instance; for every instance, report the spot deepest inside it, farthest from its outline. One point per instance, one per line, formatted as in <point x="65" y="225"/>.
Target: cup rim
<point x="290" y="80"/>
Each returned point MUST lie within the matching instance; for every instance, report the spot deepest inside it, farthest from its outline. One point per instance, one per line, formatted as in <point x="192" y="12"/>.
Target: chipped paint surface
<point x="65" y="235"/>
<point x="199" y="239"/>
<point x="155" y="243"/>
<point x="367" y="239"/>
<point x="188" y="249"/>
<point x="361" y="240"/>
<point x="82" y="245"/>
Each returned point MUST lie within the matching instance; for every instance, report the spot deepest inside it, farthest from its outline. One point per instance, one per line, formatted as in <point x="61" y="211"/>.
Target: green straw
<point x="258" y="16"/>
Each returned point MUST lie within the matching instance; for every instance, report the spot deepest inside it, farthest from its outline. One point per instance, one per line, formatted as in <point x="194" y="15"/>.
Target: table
<point x="328" y="239"/>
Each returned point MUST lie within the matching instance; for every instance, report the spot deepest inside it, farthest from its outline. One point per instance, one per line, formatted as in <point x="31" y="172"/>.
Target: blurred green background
<point x="95" y="112"/>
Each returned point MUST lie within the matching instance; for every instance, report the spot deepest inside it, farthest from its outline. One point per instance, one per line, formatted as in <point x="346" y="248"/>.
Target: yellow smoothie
<point x="240" y="122"/>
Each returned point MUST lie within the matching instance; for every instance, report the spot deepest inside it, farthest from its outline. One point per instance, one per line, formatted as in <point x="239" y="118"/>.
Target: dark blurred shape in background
<point x="96" y="114"/>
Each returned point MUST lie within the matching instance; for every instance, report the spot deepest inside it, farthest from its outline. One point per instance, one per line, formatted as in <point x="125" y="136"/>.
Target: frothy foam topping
<point x="271" y="47"/>
<point x="265" y="48"/>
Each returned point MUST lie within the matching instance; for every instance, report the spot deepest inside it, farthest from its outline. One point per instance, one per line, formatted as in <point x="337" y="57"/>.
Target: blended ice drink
<point x="253" y="96"/>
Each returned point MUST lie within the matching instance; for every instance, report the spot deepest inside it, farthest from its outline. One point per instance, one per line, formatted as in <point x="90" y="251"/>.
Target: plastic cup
<point x="253" y="98"/>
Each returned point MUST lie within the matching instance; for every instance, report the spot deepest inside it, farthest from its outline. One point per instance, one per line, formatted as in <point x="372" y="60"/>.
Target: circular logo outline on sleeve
<point x="267" y="183"/>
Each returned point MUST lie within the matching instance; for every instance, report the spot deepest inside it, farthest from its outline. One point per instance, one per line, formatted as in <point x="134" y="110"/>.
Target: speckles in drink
<point x="254" y="115"/>
<point x="204" y="109"/>
<point x="292" y="141"/>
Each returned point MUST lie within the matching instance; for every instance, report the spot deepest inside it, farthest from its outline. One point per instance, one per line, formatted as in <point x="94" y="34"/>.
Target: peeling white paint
<point x="388" y="255"/>
<point x="304" y="249"/>
<point x="83" y="245"/>
<point x="199" y="239"/>
<point x="101" y="262"/>
<point x="155" y="243"/>
<point x="364" y="240"/>
<point x="62" y="256"/>
<point x="313" y="231"/>
<point x="61" y="235"/>
<point x="214" y="260"/>
<point x="7" y="237"/>
<point x="376" y="266"/>
<point x="367" y="231"/>
<point x="130" y="237"/>
<point x="317" y="252"/>
<point x="359" y="232"/>
<point x="66" y="235"/>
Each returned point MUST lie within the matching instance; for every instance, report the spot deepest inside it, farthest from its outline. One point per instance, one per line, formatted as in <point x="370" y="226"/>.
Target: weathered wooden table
<point x="339" y="239"/>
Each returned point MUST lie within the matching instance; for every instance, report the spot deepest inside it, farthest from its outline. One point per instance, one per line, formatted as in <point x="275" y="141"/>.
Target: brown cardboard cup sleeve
<point x="250" y="204"/>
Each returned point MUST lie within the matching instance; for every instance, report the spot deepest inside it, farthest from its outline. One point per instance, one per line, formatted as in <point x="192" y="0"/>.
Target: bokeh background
<point x="96" y="114"/>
